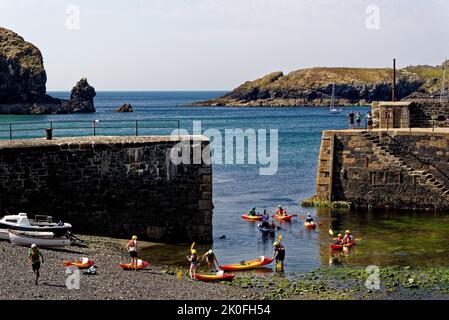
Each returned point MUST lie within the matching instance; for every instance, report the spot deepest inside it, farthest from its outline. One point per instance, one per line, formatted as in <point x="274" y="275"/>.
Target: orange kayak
<point x="283" y="218"/>
<point x="310" y="225"/>
<point x="247" y="265"/>
<point x="140" y="265"/>
<point x="219" y="276"/>
<point x="341" y="246"/>
<point x="252" y="218"/>
<point x="82" y="263"/>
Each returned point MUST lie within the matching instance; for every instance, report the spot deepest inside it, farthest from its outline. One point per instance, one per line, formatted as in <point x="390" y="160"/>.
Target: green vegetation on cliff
<point x="313" y="86"/>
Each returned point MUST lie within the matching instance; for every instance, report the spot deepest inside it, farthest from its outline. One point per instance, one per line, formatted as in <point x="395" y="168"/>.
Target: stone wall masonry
<point x="395" y="169"/>
<point x="110" y="186"/>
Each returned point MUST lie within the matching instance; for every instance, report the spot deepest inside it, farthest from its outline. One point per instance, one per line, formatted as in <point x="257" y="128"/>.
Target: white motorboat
<point x="20" y="222"/>
<point x="332" y="108"/>
<point x="41" y="239"/>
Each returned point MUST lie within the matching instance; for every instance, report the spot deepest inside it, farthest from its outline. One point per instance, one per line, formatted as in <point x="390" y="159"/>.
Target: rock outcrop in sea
<point x="313" y="87"/>
<point x="126" y="107"/>
<point x="23" y="81"/>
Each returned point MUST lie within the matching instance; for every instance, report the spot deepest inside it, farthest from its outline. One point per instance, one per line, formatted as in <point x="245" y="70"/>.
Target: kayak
<point x="310" y="225"/>
<point x="341" y="246"/>
<point x="219" y="276"/>
<point x="283" y="218"/>
<point x="82" y="263"/>
<point x="252" y="218"/>
<point x="140" y="265"/>
<point x="247" y="265"/>
<point x="263" y="229"/>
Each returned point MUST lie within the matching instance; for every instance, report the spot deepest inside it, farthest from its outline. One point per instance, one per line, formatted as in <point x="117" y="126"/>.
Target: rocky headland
<point x="23" y="82"/>
<point x="313" y="87"/>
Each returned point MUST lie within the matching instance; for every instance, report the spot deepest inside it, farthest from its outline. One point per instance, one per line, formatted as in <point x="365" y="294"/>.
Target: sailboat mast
<point x="333" y="97"/>
<point x="443" y="82"/>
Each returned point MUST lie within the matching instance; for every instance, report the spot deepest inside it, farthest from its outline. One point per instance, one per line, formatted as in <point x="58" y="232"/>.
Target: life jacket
<point x="132" y="245"/>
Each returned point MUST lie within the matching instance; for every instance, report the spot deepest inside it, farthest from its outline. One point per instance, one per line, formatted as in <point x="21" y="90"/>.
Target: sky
<point x="219" y="44"/>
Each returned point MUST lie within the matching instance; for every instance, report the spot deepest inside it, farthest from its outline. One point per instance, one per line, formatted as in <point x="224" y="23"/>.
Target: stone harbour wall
<point x="386" y="169"/>
<point x="110" y="186"/>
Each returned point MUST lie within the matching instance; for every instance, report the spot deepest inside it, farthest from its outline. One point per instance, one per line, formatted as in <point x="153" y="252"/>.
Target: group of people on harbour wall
<point x="357" y="118"/>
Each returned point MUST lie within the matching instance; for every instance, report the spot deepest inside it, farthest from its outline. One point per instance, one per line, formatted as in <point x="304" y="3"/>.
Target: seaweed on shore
<point x="317" y="202"/>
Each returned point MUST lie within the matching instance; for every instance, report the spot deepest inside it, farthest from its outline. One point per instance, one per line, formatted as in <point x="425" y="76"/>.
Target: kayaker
<point x="131" y="247"/>
<point x="281" y="211"/>
<point x="211" y="259"/>
<point x="193" y="258"/>
<point x="252" y="212"/>
<point x="309" y="218"/>
<point x="348" y="237"/>
<point x="35" y="257"/>
<point x="338" y="239"/>
<point x="279" y="255"/>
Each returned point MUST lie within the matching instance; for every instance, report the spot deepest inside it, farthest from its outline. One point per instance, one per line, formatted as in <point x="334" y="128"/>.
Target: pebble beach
<point x="110" y="282"/>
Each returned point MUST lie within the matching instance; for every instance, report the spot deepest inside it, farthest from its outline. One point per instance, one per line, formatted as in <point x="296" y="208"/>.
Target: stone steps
<point x="382" y="151"/>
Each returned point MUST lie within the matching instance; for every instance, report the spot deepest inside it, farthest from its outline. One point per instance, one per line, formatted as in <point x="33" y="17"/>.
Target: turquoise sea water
<point x="238" y="187"/>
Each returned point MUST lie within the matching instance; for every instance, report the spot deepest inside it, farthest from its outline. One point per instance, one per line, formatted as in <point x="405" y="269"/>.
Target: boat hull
<point x="43" y="240"/>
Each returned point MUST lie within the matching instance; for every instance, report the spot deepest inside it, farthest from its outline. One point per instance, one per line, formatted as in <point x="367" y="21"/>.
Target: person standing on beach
<point x="351" y="117"/>
<point x="358" y="119"/>
<point x="131" y="247"/>
<point x="35" y="257"/>
<point x="211" y="259"/>
<point x="369" y="119"/>
<point x="193" y="264"/>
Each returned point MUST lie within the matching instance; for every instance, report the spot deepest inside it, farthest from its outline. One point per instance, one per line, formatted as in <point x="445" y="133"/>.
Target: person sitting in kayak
<point x="252" y="212"/>
<point x="309" y="218"/>
<point x="348" y="237"/>
<point x="193" y="258"/>
<point x="211" y="259"/>
<point x="339" y="239"/>
<point x="281" y="211"/>
<point x="279" y="255"/>
<point x="131" y="247"/>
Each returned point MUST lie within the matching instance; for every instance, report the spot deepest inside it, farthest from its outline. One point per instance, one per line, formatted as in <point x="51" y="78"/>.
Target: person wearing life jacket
<point x="338" y="239"/>
<point x="309" y="218"/>
<point x="252" y="212"/>
<point x="348" y="237"/>
<point x="265" y="219"/>
<point x="279" y="255"/>
<point x="211" y="259"/>
<point x="35" y="257"/>
<point x="193" y="258"/>
<point x="131" y="247"/>
<point x="281" y="211"/>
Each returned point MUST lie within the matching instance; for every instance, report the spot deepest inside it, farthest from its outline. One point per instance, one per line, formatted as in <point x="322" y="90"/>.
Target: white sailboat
<point x="332" y="108"/>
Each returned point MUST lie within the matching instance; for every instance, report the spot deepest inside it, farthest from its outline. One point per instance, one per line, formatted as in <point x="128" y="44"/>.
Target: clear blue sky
<point x="218" y="44"/>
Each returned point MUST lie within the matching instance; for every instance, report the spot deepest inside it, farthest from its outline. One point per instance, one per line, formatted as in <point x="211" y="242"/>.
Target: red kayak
<point x="140" y="265"/>
<point x="310" y="225"/>
<point x="283" y="218"/>
<point x="247" y="265"/>
<point x="252" y="218"/>
<point x="219" y="276"/>
<point x="341" y="246"/>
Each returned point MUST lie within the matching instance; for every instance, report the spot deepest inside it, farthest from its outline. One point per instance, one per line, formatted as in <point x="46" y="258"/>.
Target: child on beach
<point x="131" y="247"/>
<point x="279" y="254"/>
<point x="358" y="119"/>
<point x="211" y="259"/>
<point x="35" y="257"/>
<point x="193" y="264"/>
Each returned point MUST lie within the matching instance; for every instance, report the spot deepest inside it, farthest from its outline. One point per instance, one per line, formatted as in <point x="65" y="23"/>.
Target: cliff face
<point x="313" y="86"/>
<point x="23" y="81"/>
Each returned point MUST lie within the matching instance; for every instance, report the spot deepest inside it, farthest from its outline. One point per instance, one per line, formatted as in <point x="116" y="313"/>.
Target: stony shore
<point x="161" y="282"/>
<point x="110" y="282"/>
